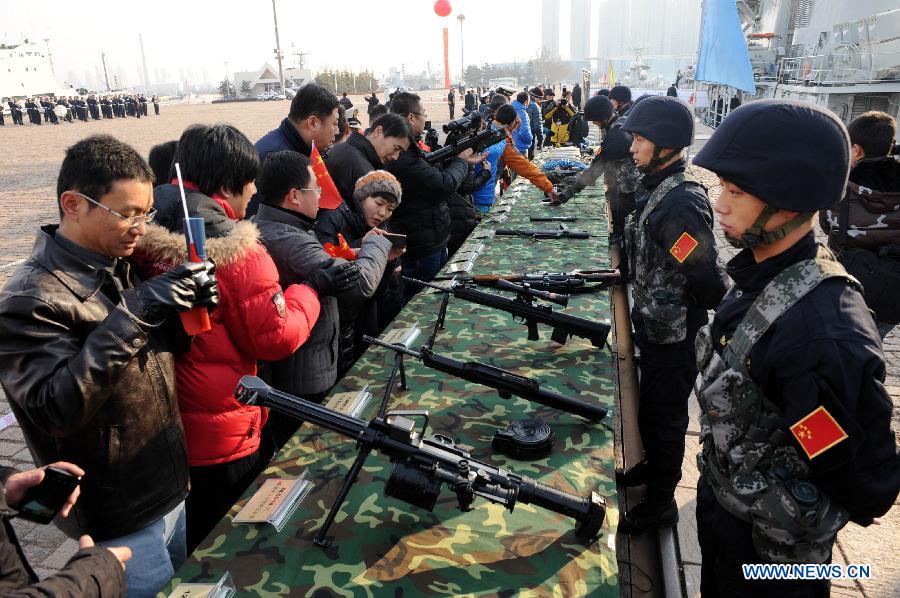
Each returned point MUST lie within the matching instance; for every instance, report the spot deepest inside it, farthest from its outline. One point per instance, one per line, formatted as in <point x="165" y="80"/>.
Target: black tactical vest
<point x="755" y="470"/>
<point x="659" y="288"/>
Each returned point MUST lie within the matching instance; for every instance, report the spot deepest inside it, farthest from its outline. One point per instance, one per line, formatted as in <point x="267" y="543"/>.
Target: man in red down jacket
<point x="255" y="319"/>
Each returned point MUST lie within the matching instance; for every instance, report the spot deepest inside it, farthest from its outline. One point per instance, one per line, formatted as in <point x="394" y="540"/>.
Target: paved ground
<point x="876" y="544"/>
<point x="29" y="162"/>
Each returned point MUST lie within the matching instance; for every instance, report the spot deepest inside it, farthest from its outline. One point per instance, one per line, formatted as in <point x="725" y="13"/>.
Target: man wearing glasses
<point x="86" y="359"/>
<point x="424" y="216"/>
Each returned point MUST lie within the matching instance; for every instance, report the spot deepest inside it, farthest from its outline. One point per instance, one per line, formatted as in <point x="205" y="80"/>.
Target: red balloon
<point x="442" y="8"/>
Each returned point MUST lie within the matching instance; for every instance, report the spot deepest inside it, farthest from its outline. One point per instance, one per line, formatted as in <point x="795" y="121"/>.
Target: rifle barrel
<point x="506" y="382"/>
<point x="253" y="391"/>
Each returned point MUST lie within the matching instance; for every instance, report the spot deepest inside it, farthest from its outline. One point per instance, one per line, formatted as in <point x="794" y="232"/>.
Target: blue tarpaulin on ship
<point x="723" y="51"/>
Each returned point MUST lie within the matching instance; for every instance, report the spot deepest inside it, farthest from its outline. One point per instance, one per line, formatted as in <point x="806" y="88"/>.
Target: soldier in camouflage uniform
<point x="795" y="420"/>
<point x="613" y="161"/>
<point x="676" y="278"/>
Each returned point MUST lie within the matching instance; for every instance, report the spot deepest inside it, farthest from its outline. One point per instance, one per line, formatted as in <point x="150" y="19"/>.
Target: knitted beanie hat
<point x="377" y="181"/>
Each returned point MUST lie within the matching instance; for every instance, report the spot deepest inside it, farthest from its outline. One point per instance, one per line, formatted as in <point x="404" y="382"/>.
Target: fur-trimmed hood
<point x="164" y="246"/>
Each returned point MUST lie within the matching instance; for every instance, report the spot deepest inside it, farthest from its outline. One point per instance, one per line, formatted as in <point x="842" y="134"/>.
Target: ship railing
<point x="847" y="65"/>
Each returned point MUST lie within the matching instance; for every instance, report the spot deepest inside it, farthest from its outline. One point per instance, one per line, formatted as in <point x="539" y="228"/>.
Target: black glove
<point x="170" y="292"/>
<point x="207" y="287"/>
<point x="565" y="193"/>
<point x="339" y="276"/>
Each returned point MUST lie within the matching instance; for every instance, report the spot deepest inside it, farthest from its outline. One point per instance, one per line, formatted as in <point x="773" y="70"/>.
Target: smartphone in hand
<point x="42" y="502"/>
<point x="397" y="240"/>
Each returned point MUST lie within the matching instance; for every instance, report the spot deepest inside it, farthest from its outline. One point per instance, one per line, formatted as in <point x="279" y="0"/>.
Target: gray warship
<point x="842" y="54"/>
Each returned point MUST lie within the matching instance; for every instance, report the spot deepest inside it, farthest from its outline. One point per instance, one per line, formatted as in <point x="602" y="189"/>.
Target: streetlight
<point x="462" y="62"/>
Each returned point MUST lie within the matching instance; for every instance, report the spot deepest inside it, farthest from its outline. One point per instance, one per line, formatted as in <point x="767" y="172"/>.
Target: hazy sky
<point x="374" y="34"/>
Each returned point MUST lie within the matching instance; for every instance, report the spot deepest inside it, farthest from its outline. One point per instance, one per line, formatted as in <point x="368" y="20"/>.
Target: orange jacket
<point x="523" y="167"/>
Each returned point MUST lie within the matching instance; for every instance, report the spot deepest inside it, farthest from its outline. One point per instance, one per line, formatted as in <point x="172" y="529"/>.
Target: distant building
<point x="580" y="34"/>
<point x="266" y="79"/>
<point x="25" y="70"/>
<point x="550" y="28"/>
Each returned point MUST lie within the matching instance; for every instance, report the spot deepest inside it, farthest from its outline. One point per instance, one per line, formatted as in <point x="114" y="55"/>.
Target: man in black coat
<point x="34" y="113"/>
<point x="576" y="96"/>
<point x="383" y="142"/>
<point x="312" y="119"/>
<point x="470" y="101"/>
<point x="424" y="215"/>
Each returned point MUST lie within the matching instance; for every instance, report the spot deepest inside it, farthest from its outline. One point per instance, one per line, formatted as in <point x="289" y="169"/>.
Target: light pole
<point x="462" y="61"/>
<point x="278" y="50"/>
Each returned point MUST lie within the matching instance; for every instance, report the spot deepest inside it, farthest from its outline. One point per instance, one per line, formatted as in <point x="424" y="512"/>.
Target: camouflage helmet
<point x="792" y="155"/>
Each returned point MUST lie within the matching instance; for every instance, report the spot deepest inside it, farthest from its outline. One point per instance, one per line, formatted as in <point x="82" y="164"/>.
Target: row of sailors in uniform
<point x="77" y="107"/>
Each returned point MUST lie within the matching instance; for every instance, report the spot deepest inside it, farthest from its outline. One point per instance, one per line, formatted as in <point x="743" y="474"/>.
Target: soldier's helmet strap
<point x="756" y="235"/>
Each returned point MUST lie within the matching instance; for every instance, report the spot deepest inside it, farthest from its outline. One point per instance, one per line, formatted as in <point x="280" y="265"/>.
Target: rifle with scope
<point x="523" y="309"/>
<point x="506" y="383"/>
<point x="422" y="464"/>
<point x="462" y="134"/>
<point x="576" y="281"/>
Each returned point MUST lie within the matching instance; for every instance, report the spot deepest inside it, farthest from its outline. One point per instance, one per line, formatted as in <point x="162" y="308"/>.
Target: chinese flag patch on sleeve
<point x="818" y="432"/>
<point x="683" y="247"/>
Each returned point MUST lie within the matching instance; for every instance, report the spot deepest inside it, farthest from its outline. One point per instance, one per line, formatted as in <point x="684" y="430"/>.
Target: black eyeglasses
<point x="422" y="114"/>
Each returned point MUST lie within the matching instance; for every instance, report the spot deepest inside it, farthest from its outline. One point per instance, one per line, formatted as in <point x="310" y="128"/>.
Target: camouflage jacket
<point x="868" y="216"/>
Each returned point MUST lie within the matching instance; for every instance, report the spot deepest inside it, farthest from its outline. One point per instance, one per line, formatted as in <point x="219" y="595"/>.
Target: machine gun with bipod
<point x="423" y="464"/>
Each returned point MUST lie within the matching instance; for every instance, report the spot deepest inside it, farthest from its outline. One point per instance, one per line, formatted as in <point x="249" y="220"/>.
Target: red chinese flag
<point x="330" y="197"/>
<point x="818" y="432"/>
<point x="342" y="249"/>
<point x="683" y="247"/>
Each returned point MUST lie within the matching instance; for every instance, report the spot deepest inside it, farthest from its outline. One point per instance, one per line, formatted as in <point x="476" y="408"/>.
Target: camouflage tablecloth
<point x="385" y="547"/>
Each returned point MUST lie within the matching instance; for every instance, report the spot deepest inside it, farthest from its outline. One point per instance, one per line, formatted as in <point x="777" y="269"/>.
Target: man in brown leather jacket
<point x="86" y="359"/>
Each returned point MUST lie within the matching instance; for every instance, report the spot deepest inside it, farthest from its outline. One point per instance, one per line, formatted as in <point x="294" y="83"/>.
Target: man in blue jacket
<point x="522" y="136"/>
<point x="313" y="118"/>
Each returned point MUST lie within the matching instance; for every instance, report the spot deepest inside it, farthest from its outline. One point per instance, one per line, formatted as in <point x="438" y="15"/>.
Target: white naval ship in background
<point x="842" y="54"/>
